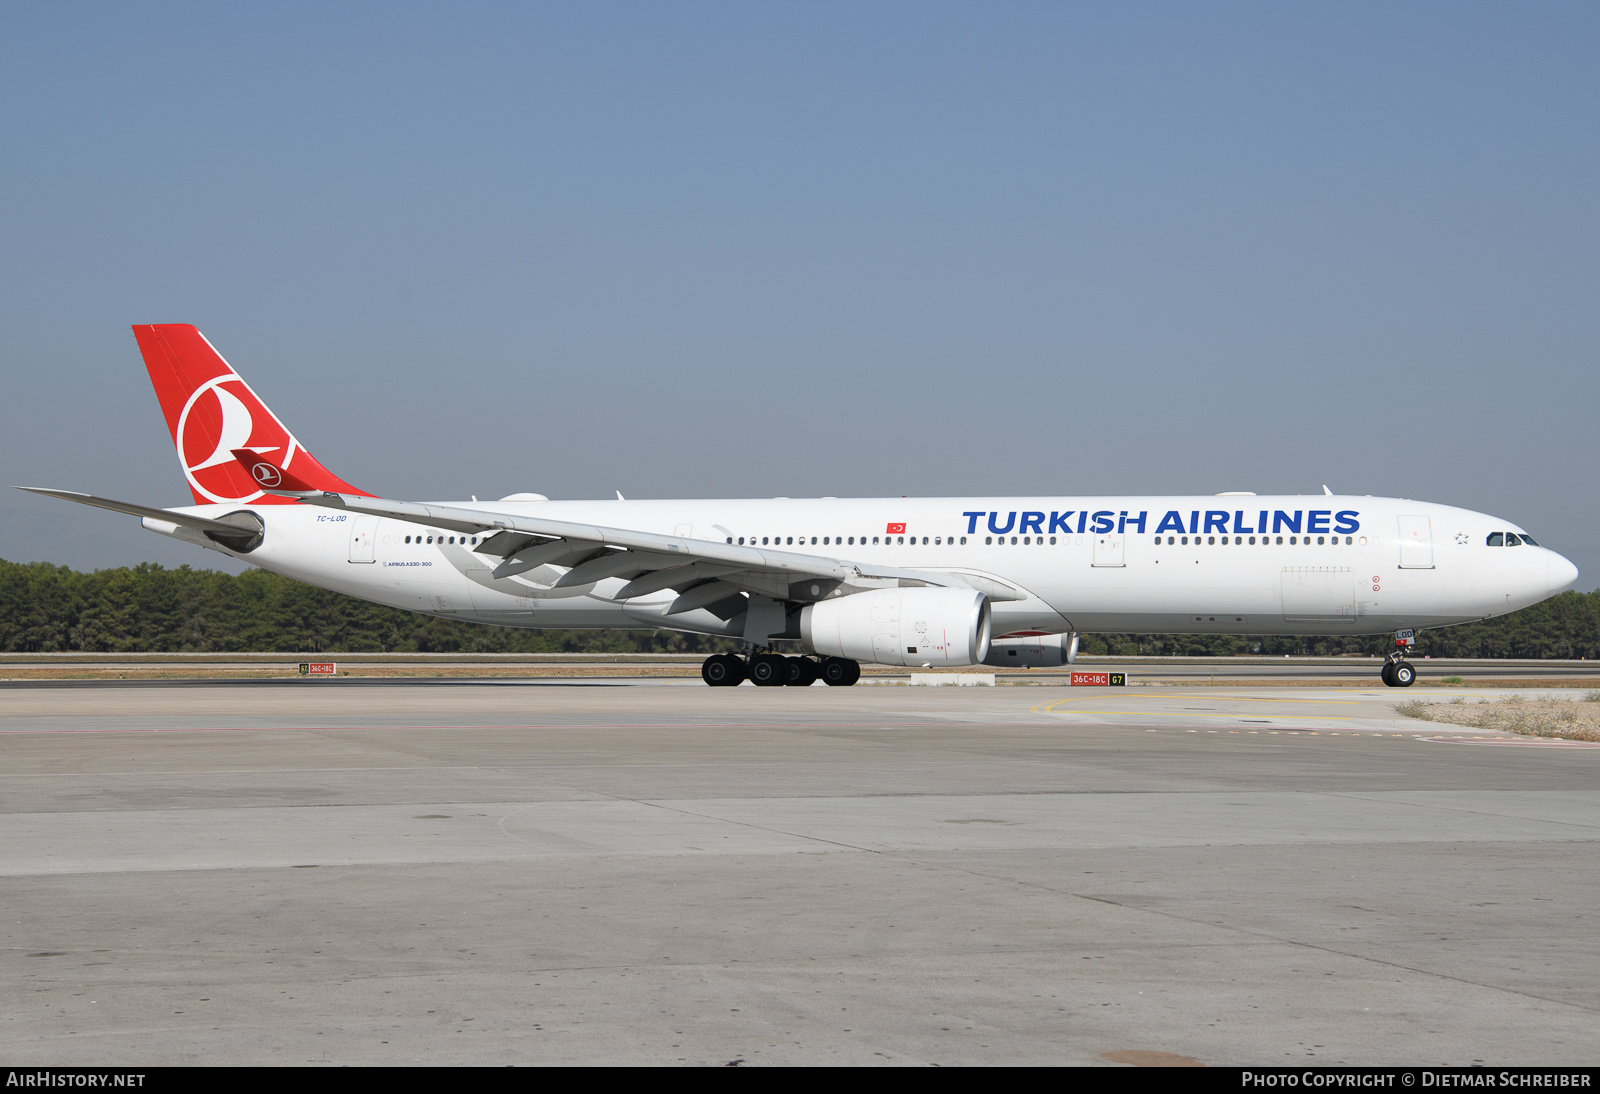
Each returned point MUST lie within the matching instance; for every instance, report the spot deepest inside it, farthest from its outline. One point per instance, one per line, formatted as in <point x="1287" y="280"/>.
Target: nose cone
<point x="1562" y="572"/>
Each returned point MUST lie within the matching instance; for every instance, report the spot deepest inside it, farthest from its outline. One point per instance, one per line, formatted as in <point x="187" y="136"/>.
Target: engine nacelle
<point x="1040" y="651"/>
<point x="926" y="626"/>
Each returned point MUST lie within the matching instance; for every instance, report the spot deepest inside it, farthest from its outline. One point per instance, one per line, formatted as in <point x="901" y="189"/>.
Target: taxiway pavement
<point x="536" y="874"/>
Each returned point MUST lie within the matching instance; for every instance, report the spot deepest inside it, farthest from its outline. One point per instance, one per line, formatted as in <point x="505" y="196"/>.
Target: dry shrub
<point x="1572" y="720"/>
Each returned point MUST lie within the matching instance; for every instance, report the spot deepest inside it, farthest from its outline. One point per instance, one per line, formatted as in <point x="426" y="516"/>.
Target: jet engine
<point x="1034" y="652"/>
<point x="900" y="627"/>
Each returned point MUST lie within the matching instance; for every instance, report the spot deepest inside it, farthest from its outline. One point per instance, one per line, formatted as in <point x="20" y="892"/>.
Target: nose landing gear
<point x="1397" y="671"/>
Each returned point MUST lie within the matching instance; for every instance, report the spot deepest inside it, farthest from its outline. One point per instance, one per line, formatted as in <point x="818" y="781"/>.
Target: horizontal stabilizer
<point x="204" y="524"/>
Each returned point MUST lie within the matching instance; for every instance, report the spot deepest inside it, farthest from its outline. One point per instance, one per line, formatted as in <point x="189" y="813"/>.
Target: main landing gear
<point x="772" y="670"/>
<point x="1397" y="671"/>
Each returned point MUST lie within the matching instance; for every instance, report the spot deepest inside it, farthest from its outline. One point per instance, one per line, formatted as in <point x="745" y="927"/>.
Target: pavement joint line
<point x="650" y="726"/>
<point x="662" y="804"/>
<point x="1193" y="714"/>
<point x="1051" y="708"/>
<point x="1245" y="931"/>
<point x="1357" y="795"/>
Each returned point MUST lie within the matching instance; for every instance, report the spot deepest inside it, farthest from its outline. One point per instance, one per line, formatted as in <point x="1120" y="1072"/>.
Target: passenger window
<point x="963" y="541"/>
<point x="1497" y="539"/>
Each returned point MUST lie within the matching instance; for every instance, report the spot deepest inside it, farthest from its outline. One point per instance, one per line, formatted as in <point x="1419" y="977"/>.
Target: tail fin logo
<point x="266" y="475"/>
<point x="219" y="416"/>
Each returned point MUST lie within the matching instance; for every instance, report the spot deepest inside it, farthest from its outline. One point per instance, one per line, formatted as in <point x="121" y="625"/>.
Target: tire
<point x="839" y="672"/>
<point x="768" y="671"/>
<point x="1388" y="674"/>
<point x="800" y="672"/>
<point x="722" y="671"/>
<point x="1403" y="675"/>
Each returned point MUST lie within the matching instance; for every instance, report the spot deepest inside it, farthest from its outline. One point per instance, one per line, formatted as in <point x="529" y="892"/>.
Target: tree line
<point x="152" y="609"/>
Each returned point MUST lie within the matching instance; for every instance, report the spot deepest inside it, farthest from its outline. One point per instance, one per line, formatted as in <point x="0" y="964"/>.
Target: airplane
<point x="916" y="582"/>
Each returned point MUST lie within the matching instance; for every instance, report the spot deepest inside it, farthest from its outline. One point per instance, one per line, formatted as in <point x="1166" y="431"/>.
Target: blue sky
<point x="702" y="250"/>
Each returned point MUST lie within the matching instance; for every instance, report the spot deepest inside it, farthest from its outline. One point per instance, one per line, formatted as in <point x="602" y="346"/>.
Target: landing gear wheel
<point x="768" y="671"/>
<point x="1388" y="674"/>
<point x="1403" y="675"/>
<point x="723" y="670"/>
<point x="839" y="672"/>
<point x="800" y="672"/>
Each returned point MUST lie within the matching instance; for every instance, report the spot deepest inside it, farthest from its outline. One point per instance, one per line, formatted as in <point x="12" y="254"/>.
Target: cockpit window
<point x="1497" y="539"/>
<point x="1529" y="540"/>
<point x="1512" y="540"/>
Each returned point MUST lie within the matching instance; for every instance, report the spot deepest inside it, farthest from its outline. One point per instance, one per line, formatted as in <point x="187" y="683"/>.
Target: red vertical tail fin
<point x="211" y="411"/>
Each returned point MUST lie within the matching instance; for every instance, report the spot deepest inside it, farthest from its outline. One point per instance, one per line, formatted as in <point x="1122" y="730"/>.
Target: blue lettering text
<point x="1172" y="522"/>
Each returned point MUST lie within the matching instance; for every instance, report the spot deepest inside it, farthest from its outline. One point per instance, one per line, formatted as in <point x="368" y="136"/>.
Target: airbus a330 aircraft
<point x="896" y="581"/>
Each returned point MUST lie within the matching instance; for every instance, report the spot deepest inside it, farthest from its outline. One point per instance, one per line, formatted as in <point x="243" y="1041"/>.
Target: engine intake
<point x="900" y="627"/>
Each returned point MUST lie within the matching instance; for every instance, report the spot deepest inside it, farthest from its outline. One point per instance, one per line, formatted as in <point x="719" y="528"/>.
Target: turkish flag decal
<point x="894" y="528"/>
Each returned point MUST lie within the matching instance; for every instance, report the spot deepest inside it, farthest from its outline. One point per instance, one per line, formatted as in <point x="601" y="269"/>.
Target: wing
<point x="704" y="573"/>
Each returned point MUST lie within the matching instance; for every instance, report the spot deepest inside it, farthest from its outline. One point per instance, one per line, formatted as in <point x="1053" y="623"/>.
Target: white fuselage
<point x="1230" y="564"/>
